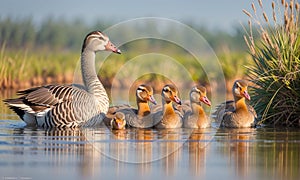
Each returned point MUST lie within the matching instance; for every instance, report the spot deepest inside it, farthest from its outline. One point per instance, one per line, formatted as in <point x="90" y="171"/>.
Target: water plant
<point x="276" y="70"/>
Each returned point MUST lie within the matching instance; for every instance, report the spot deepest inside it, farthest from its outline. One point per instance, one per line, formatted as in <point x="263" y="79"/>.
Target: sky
<point x="222" y="14"/>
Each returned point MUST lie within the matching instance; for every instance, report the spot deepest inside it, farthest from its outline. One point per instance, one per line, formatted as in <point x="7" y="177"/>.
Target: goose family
<point x="68" y="105"/>
<point x="195" y="117"/>
<point x="140" y="117"/>
<point x="236" y="113"/>
<point x="61" y="106"/>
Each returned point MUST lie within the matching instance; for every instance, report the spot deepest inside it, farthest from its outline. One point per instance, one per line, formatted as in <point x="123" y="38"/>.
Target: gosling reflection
<point x="239" y="150"/>
<point x="171" y="149"/>
<point x="198" y="145"/>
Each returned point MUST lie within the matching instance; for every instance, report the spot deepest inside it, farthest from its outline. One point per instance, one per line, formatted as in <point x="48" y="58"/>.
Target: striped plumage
<point x="195" y="116"/>
<point x="236" y="114"/>
<point x="68" y="105"/>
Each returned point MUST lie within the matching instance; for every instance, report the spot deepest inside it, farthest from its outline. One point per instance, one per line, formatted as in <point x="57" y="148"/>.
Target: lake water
<point x="99" y="153"/>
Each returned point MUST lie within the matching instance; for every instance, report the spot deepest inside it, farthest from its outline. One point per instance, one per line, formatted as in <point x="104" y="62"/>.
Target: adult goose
<point x="195" y="117"/>
<point x="68" y="105"/>
<point x="237" y="114"/>
<point x="140" y="117"/>
<point x="168" y="117"/>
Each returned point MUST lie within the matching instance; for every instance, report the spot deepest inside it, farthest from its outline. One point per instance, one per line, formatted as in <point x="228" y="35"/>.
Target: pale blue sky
<point x="214" y="13"/>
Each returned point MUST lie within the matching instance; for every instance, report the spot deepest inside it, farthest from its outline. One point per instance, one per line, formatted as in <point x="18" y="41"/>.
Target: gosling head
<point x="239" y="89"/>
<point x="198" y="94"/>
<point x="144" y="93"/>
<point x="170" y="93"/>
<point x="118" y="122"/>
<point x="98" y="41"/>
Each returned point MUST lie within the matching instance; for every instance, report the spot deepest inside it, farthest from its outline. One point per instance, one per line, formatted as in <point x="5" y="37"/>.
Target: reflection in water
<point x="261" y="153"/>
<point x="238" y="143"/>
<point x="198" y="145"/>
<point x="147" y="153"/>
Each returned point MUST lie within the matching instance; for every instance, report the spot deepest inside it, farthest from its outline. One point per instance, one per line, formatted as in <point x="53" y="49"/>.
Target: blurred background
<point x="36" y="33"/>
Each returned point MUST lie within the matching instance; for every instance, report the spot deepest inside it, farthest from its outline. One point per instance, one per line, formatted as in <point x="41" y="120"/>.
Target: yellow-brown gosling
<point x="196" y="117"/>
<point x="237" y="114"/>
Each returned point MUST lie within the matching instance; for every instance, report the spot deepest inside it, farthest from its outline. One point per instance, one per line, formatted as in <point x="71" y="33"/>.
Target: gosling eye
<point x="141" y="90"/>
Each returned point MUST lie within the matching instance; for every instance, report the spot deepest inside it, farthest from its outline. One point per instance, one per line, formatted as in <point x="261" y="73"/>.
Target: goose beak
<point x="205" y="100"/>
<point x="177" y="100"/>
<point x="151" y="99"/>
<point x="111" y="47"/>
<point x="246" y="95"/>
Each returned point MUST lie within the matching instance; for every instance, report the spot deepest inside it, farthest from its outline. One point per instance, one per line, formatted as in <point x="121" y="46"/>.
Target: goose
<point x="62" y="106"/>
<point x="196" y="117"/>
<point x="236" y="114"/>
<point x="168" y="117"/>
<point x="140" y="117"/>
<point x="118" y="122"/>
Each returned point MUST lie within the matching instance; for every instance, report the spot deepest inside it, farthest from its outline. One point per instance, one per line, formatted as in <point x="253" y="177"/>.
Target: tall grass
<point x="22" y="68"/>
<point x="276" y="69"/>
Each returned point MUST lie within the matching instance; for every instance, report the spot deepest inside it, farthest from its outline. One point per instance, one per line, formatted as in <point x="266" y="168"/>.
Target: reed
<point x="22" y="68"/>
<point x="276" y="69"/>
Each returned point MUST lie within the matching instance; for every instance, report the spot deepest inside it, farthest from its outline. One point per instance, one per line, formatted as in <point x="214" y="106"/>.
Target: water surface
<point x="99" y="153"/>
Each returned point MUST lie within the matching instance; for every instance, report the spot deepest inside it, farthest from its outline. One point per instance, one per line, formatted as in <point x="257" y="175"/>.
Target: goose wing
<point x="38" y="99"/>
<point x="222" y="109"/>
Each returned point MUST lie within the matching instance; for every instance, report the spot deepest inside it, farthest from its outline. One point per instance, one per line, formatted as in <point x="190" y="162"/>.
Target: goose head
<point x="98" y="41"/>
<point x="144" y="93"/>
<point x="198" y="94"/>
<point x="170" y="93"/>
<point x="239" y="89"/>
<point x="118" y="122"/>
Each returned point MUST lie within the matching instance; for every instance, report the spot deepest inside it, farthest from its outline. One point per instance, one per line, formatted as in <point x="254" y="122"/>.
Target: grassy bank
<point x="26" y="68"/>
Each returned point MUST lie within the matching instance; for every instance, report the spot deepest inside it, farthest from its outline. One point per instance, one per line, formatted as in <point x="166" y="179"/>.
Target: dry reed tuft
<point x="276" y="69"/>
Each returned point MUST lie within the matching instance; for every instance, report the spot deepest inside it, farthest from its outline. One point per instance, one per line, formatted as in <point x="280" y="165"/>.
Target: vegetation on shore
<point x="276" y="68"/>
<point x="32" y="56"/>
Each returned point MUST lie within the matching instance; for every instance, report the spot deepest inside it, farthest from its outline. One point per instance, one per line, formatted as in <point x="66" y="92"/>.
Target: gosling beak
<point x="246" y="95"/>
<point x="177" y="100"/>
<point x="120" y="125"/>
<point x="151" y="99"/>
<point x="111" y="47"/>
<point x="205" y="100"/>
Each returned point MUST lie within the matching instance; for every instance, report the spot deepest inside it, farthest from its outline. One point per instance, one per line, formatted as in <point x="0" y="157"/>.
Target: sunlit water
<point x="99" y="153"/>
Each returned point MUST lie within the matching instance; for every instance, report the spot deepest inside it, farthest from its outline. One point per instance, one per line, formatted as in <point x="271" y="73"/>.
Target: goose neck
<point x="143" y="108"/>
<point x="241" y="105"/>
<point x="89" y="75"/>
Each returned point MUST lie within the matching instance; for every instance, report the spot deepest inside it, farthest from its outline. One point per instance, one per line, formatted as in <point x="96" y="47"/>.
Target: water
<point x="98" y="153"/>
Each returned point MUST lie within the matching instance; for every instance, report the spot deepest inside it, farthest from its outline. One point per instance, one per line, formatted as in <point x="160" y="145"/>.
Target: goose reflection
<point x="238" y="142"/>
<point x="57" y="147"/>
